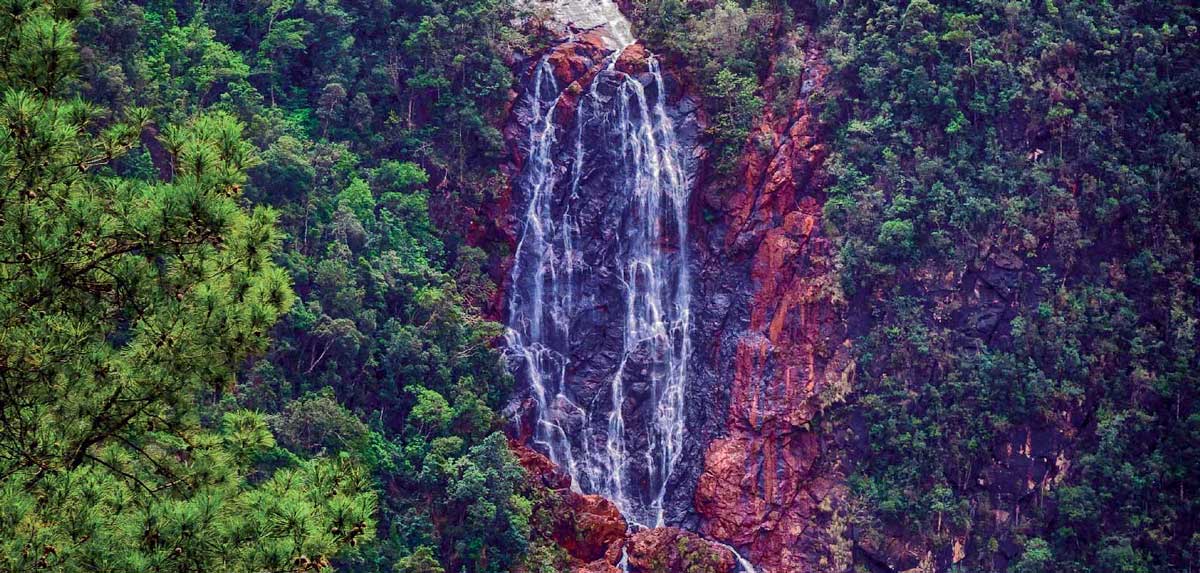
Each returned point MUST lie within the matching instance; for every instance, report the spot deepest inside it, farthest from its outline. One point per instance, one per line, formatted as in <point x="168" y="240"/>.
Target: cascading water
<point x="533" y="334"/>
<point x="744" y="565"/>
<point x="624" y="141"/>
<point x="599" y="308"/>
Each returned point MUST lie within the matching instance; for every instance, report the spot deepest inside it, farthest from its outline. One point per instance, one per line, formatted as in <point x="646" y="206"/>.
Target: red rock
<point x="588" y="527"/>
<point x="764" y="482"/>
<point x="597" y="567"/>
<point x="594" y="534"/>
<point x="572" y="60"/>
<point x="594" y="526"/>
<point x="540" y="469"/>
<point x="633" y="59"/>
<point x="675" y="550"/>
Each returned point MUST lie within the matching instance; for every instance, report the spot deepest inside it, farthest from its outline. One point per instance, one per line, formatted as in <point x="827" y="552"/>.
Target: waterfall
<point x="532" y="333"/>
<point x="624" y="143"/>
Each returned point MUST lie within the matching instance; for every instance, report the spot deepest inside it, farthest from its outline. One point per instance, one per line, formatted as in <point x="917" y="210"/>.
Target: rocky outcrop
<point x="669" y="549"/>
<point x="768" y="486"/>
<point x="595" y="536"/>
<point x="588" y="527"/>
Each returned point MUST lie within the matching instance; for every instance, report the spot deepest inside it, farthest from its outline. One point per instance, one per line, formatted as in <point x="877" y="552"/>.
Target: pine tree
<point x="122" y="301"/>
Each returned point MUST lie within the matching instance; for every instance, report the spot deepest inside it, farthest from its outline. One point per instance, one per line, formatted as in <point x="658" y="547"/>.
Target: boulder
<point x="668" y="549"/>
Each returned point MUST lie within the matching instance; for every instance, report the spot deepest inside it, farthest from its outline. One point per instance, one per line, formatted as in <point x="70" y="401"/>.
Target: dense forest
<point x="249" y="275"/>
<point x="1058" y="137"/>
<point x="235" y="338"/>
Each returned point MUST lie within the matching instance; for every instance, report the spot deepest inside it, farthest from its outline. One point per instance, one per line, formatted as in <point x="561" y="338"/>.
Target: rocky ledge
<point x="597" y="539"/>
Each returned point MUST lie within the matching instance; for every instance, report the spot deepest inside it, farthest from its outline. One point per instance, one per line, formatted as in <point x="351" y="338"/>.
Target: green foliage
<point x="545" y="557"/>
<point x="121" y="512"/>
<point x="246" y="435"/>
<point x="1000" y="168"/>
<point x="395" y="177"/>
<point x="124" y="302"/>
<point x="358" y="199"/>
<point x="896" y="238"/>
<point x="374" y="128"/>
<point x="725" y="45"/>
<point x="125" y="296"/>
<point x="191" y="66"/>
<point x="1037" y="558"/>
<point x="316" y="423"/>
<point x="430" y="413"/>
<point x="489" y="519"/>
<point x="421" y="560"/>
<point x="737" y="107"/>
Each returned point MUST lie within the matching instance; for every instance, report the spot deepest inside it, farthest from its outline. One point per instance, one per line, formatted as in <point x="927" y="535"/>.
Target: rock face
<point x="767" y="487"/>
<point x="669" y="549"/>
<point x="595" y="536"/>
<point x="565" y="17"/>
<point x="604" y="157"/>
<point x="768" y="341"/>
<point x="588" y="527"/>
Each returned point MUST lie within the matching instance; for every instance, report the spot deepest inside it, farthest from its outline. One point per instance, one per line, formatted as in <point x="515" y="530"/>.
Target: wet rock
<point x="582" y="336"/>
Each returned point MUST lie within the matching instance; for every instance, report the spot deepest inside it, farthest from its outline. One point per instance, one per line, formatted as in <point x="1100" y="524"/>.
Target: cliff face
<point x="769" y="486"/>
<point x="605" y="155"/>
<point x="768" y="337"/>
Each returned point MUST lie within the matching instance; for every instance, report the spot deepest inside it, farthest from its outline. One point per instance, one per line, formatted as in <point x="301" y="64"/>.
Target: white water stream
<point x="648" y="264"/>
<point x="654" y="281"/>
